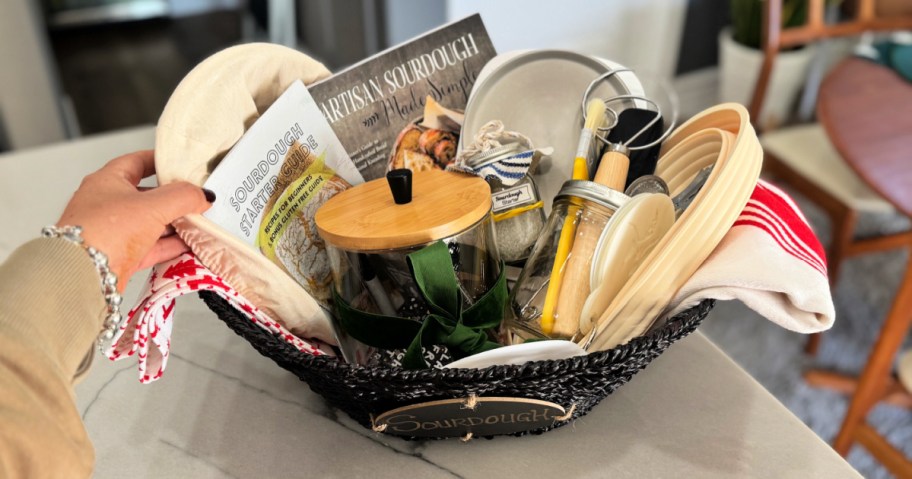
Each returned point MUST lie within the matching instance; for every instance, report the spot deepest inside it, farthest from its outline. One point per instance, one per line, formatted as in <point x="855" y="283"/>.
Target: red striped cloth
<point x="771" y="261"/>
<point x="147" y="331"/>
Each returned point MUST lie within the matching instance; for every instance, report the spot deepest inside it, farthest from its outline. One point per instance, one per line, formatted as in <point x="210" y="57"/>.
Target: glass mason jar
<point x="548" y="297"/>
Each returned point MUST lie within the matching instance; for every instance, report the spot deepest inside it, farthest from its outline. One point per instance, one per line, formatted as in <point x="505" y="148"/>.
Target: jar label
<point x="485" y="416"/>
<point x="513" y="197"/>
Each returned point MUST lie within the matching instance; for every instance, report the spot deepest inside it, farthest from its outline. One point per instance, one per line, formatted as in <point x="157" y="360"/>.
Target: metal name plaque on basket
<point x="480" y="416"/>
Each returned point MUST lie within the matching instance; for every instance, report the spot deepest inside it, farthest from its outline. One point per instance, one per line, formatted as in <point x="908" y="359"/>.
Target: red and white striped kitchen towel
<point x="771" y="261"/>
<point x="147" y="331"/>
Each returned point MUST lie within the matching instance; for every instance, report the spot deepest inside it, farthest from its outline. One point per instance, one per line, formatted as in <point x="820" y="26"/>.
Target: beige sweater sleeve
<point x="51" y="310"/>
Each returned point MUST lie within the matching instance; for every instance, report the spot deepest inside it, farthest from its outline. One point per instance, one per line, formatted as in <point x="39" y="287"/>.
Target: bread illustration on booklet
<point x="428" y="143"/>
<point x="271" y="183"/>
<point x="299" y="249"/>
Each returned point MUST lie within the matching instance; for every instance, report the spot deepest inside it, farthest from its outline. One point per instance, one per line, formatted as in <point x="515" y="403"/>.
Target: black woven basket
<point x="362" y="392"/>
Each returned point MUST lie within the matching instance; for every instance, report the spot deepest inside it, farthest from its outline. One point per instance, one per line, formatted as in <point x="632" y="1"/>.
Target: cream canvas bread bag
<point x="208" y="112"/>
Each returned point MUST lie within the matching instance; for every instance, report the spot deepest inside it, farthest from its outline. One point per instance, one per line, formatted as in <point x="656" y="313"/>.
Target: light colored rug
<point x="775" y="357"/>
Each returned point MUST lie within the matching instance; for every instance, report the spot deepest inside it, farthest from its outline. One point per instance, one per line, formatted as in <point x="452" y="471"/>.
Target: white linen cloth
<point x="771" y="261"/>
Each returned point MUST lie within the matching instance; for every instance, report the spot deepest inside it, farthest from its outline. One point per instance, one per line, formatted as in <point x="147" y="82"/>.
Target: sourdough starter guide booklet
<point x="269" y="186"/>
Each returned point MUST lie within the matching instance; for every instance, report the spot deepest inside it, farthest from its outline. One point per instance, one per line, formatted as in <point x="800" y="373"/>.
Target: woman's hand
<point x="130" y="224"/>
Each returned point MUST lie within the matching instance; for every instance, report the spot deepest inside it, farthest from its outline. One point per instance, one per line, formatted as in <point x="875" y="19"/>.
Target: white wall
<point x="29" y="93"/>
<point x="409" y="18"/>
<point x="641" y="34"/>
<point x="184" y="8"/>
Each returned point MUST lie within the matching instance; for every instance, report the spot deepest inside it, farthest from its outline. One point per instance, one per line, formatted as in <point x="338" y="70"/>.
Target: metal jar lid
<point x="591" y="191"/>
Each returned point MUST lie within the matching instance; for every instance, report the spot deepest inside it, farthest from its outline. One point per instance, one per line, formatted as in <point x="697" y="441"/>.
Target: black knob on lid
<point x="400" y="183"/>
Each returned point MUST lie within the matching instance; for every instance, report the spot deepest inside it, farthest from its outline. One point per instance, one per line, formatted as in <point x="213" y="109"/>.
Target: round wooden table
<point x="866" y="110"/>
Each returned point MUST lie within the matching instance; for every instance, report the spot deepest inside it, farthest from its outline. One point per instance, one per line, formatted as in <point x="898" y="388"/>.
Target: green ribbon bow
<point x="462" y="331"/>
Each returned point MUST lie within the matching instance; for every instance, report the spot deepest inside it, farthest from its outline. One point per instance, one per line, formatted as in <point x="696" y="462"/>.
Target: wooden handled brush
<point x="612" y="172"/>
<point x="595" y="119"/>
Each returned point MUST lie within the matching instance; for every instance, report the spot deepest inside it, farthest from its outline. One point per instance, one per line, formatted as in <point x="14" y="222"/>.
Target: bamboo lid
<point x="365" y="217"/>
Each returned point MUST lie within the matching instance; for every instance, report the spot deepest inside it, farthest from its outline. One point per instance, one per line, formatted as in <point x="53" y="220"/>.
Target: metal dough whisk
<point x="611" y="172"/>
<point x="625" y="147"/>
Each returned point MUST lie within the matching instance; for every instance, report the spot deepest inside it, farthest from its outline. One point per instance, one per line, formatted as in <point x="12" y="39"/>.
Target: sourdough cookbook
<point x="369" y="103"/>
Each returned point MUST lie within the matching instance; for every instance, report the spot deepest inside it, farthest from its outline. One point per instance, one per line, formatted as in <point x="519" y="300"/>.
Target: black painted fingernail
<point x="210" y="195"/>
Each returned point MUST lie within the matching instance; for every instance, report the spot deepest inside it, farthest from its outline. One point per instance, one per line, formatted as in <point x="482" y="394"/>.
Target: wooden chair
<point x="805" y="158"/>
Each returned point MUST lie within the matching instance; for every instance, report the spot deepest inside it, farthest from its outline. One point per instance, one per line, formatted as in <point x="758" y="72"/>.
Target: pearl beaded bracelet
<point x="113" y="299"/>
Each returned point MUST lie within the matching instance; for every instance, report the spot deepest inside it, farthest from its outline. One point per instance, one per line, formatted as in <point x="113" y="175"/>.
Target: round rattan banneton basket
<point x="362" y="392"/>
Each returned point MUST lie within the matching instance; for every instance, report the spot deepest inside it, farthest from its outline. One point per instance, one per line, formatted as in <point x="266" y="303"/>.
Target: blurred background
<point x="79" y="67"/>
<point x="75" y="68"/>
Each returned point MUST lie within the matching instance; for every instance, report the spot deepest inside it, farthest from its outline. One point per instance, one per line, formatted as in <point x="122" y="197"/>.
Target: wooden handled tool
<point x="612" y="170"/>
<point x="574" y="288"/>
<point x="595" y="119"/>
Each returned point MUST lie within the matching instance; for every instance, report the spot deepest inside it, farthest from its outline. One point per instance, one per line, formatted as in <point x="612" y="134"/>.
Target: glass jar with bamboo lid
<point x="416" y="271"/>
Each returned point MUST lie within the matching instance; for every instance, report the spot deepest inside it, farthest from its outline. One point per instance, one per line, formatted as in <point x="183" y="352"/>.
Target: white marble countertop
<point x="222" y="410"/>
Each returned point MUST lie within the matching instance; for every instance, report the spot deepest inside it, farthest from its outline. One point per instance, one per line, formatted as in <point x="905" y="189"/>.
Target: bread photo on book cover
<point x="429" y="142"/>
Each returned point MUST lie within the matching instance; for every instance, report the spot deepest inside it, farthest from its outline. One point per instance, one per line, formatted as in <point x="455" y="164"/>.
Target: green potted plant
<point x="740" y="58"/>
<point x="747" y="19"/>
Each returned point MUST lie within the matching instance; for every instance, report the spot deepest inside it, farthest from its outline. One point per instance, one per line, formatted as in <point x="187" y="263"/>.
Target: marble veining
<point x="194" y="456"/>
<point x="88" y="407"/>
